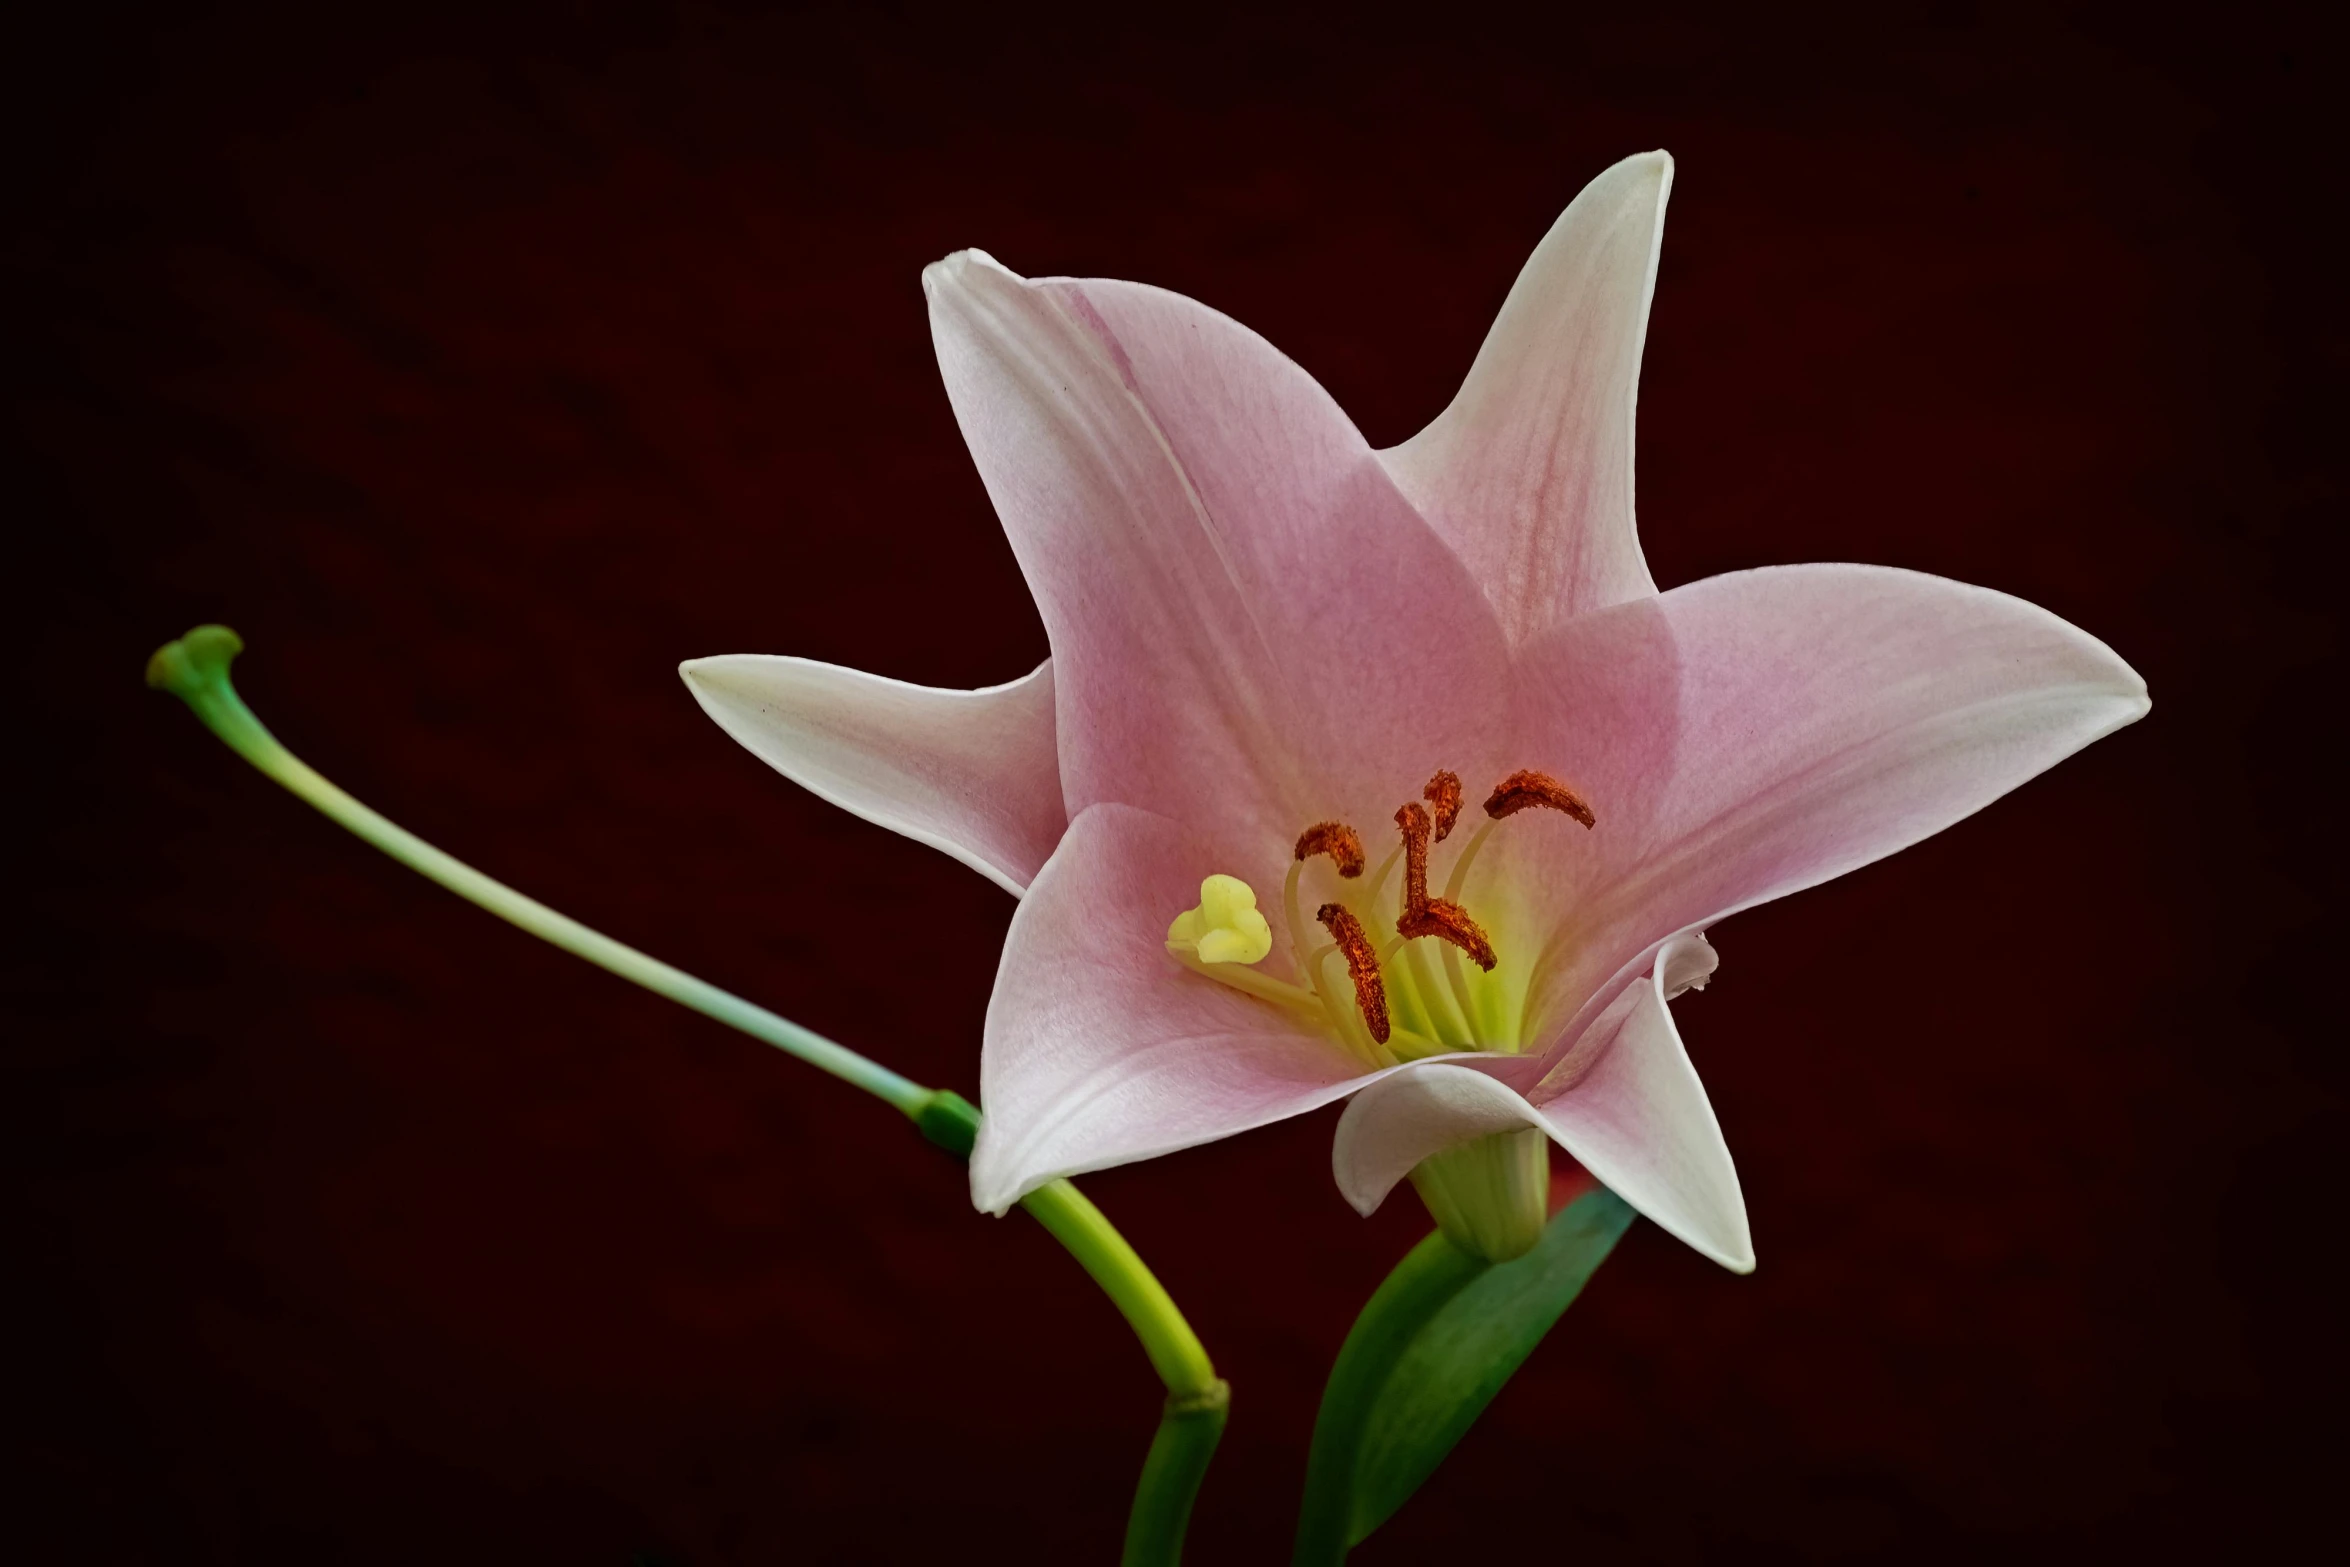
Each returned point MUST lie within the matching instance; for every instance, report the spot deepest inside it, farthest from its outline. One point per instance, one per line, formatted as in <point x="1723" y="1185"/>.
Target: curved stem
<point x="195" y="669"/>
<point x="1197" y="1399"/>
<point x="1186" y="1440"/>
<point x="1175" y="1351"/>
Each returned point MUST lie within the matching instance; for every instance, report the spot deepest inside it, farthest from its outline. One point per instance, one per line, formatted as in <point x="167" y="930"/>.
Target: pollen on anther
<point x="1426" y="916"/>
<point x="1335" y="839"/>
<point x="1448" y="921"/>
<point x="1443" y="795"/>
<point x="1525" y="789"/>
<point x="1414" y="822"/>
<point x="1362" y="965"/>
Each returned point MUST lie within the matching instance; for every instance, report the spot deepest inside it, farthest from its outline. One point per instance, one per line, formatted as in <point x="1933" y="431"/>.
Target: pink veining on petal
<point x="1259" y="625"/>
<point x="1750" y="735"/>
<point x="1252" y="630"/>
<point x="1528" y="473"/>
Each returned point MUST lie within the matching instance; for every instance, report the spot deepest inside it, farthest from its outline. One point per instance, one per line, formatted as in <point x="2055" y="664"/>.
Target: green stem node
<point x="1178" y="1460"/>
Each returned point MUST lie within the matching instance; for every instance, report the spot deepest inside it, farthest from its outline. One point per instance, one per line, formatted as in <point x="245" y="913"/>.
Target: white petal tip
<point x="991" y="1192"/>
<point x="990" y="1201"/>
<point x="1737" y="1254"/>
<point x="950" y="271"/>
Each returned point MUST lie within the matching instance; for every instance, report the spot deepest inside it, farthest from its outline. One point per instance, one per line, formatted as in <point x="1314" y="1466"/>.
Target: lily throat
<point x="1393" y="975"/>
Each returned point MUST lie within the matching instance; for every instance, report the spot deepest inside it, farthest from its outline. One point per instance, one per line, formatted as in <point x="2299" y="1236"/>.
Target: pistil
<point x="1402" y="1010"/>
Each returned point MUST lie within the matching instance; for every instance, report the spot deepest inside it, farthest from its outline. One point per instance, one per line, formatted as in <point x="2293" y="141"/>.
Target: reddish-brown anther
<point x="1414" y="822"/>
<point x="1448" y="921"/>
<point x="1426" y="916"/>
<point x="1443" y="795"/>
<point x="1362" y="965"/>
<point x="1337" y="840"/>
<point x="1526" y="788"/>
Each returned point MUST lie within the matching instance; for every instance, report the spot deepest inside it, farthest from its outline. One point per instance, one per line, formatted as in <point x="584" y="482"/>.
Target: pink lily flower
<point x="1390" y="774"/>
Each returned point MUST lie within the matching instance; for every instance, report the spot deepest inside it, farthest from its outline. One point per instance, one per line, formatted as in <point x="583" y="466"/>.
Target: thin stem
<point x="1456" y="976"/>
<point x="1466" y="858"/>
<point x="1290" y="918"/>
<point x="1479" y="1020"/>
<point x="1171" y="1473"/>
<point x="1197" y="1399"/>
<point x="1379" y="877"/>
<point x="1078" y="1225"/>
<point x="1451" y="1030"/>
<point x="195" y="669"/>
<point x="213" y="699"/>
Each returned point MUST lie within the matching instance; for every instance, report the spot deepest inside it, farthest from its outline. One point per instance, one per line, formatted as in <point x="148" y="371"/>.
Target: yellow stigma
<point x="1226" y="927"/>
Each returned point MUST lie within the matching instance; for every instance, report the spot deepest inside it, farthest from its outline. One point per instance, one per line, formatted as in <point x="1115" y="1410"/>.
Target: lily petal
<point x="1754" y="734"/>
<point x="1100" y="1049"/>
<point x="1633" y="1114"/>
<point x="1250" y="626"/>
<point x="974" y="773"/>
<point x="1528" y="474"/>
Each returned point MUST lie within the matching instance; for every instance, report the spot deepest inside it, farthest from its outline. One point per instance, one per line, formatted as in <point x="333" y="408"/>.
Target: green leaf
<point x="1431" y="1348"/>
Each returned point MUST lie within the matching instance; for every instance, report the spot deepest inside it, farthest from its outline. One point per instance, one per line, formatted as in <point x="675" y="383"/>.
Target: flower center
<point x="1438" y="985"/>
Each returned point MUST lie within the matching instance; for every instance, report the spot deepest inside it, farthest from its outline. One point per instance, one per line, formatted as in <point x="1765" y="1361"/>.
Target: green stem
<point x="1186" y="1440"/>
<point x="195" y="668"/>
<point x="1079" y="1226"/>
<point x="1197" y="1399"/>
<point x="1422" y="1285"/>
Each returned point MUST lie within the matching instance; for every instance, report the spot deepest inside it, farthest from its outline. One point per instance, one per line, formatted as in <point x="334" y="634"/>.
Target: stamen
<point x="1414" y="822"/>
<point x="1337" y="840"/>
<point x="1379" y="877"/>
<point x="1526" y="788"/>
<point x="1426" y="916"/>
<point x="1450" y="922"/>
<point x="1444" y="795"/>
<point x="1362" y="965"/>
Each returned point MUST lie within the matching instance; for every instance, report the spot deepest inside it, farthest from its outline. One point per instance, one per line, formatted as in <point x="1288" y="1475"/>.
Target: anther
<point x="1443" y="795"/>
<point x="1526" y="788"/>
<point x="1426" y="916"/>
<point x="1448" y="921"/>
<point x="1335" y="839"/>
<point x="1414" y="822"/>
<point x="1362" y="965"/>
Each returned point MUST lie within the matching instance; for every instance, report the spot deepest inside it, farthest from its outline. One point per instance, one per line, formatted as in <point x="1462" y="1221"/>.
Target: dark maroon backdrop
<point x="478" y="372"/>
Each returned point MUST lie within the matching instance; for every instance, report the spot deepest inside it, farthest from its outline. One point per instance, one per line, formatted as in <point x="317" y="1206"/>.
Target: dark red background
<point x="478" y="372"/>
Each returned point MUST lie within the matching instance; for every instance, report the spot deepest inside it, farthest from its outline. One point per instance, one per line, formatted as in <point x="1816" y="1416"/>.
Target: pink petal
<point x="1100" y="1049"/>
<point x="974" y="773"/>
<point x="1251" y="629"/>
<point x="1634" y="1115"/>
<point x="1528" y="475"/>
<point x="1753" y="734"/>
